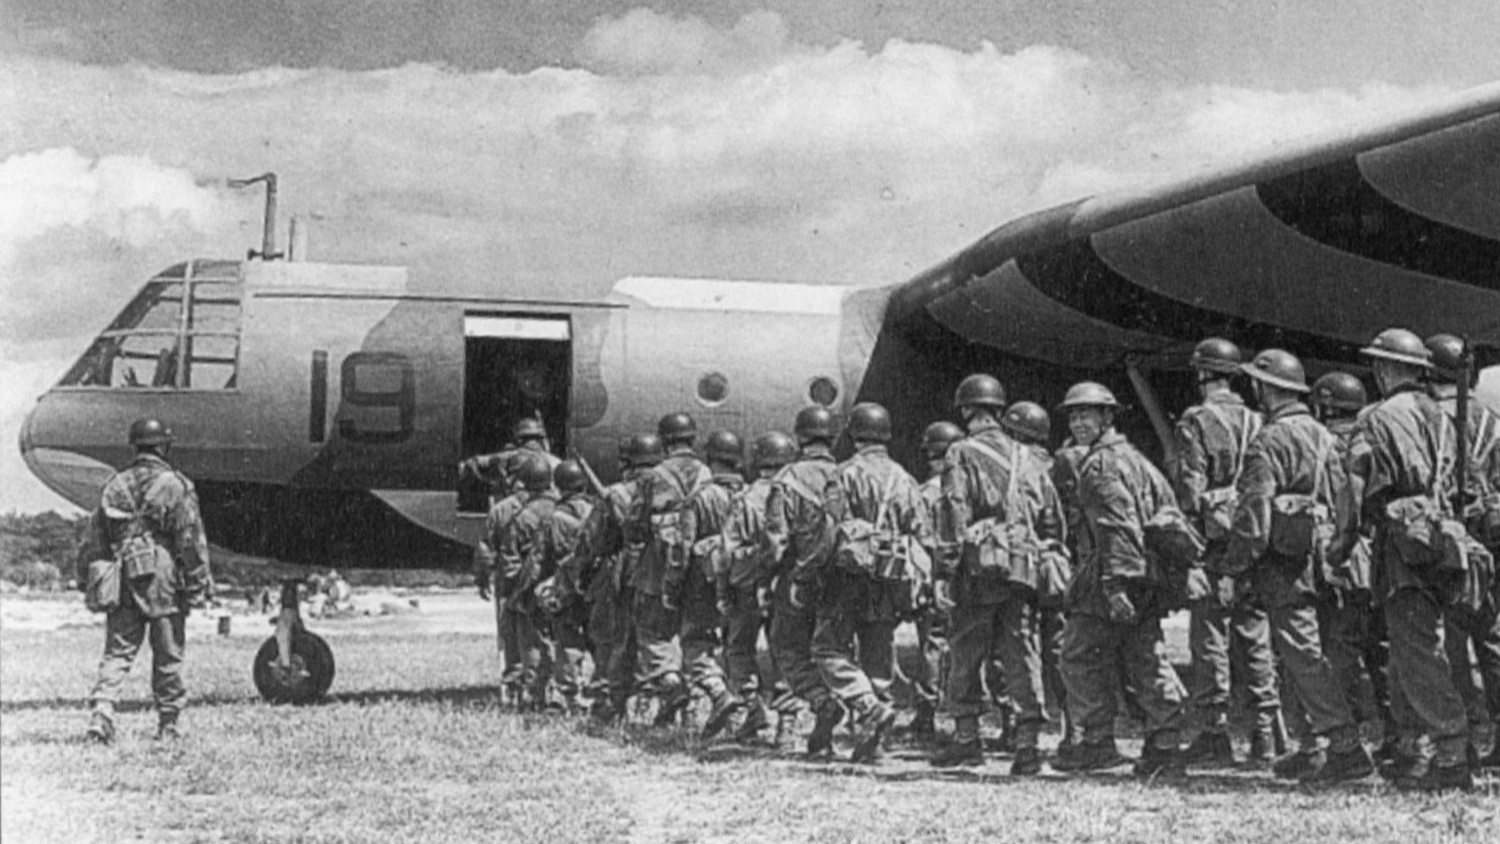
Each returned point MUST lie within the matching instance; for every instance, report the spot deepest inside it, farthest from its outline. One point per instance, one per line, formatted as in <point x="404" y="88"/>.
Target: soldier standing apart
<point x="1212" y="438"/>
<point x="612" y="543"/>
<point x="690" y="584"/>
<point x="562" y="588"/>
<point x="1474" y="619"/>
<point x="866" y="585"/>
<point x="931" y="622"/>
<point x="998" y="508"/>
<point x="522" y="554"/>
<point x="742" y="581"/>
<point x="1407" y="480"/>
<point x="148" y="521"/>
<point x="665" y="491"/>
<point x="1283" y="531"/>
<point x="1117" y="599"/>
<point x="1352" y="630"/>
<point x="487" y="574"/>
<point x="802" y="515"/>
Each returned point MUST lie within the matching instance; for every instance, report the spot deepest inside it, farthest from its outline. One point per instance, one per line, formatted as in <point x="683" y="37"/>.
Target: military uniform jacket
<point x="491" y="467"/>
<point x="1348" y="570"/>
<point x="664" y="490"/>
<point x="1118" y="492"/>
<point x="1065" y="466"/>
<point x="487" y="552"/>
<point x="746" y="561"/>
<point x="802" y="516"/>
<point x="1483" y="435"/>
<point x="149" y="495"/>
<point x="974" y="488"/>
<point x="566" y="550"/>
<point x="871" y="482"/>
<point x="1402" y="438"/>
<point x="1292" y="454"/>
<point x="1209" y="438"/>
<point x="703" y="523"/>
<point x="612" y="538"/>
<point x="523" y="550"/>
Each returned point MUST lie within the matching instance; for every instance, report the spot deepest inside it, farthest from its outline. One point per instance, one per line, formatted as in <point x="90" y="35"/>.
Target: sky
<point x="573" y="142"/>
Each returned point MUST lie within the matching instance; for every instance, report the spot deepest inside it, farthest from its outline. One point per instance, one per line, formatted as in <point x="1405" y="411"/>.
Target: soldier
<point x="1352" y="630"/>
<point x="528" y="436"/>
<point x="998" y="508"/>
<point x="1407" y="481"/>
<point x="1212" y="438"/>
<point x="148" y="522"/>
<point x="487" y="574"/>
<point x="865" y="585"/>
<point x="613" y="540"/>
<point x="743" y="581"/>
<point x="1291" y="470"/>
<point x="522" y="553"/>
<point x="1116" y="599"/>
<point x="562" y="589"/>
<point x="802" y="514"/>
<point x="690" y="583"/>
<point x="1476" y="620"/>
<point x="665" y="491"/>
<point x="930" y="677"/>
<point x="1028" y="423"/>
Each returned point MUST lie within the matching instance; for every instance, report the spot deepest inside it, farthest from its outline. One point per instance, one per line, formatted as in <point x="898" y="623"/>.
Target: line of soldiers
<point x="1318" y="549"/>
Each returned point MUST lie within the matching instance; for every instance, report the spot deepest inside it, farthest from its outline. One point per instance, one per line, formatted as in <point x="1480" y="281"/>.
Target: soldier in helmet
<point x="803" y="510"/>
<point x="1029" y="424"/>
<point x="999" y="509"/>
<point x="1352" y="631"/>
<point x="148" y="521"/>
<point x="1292" y="473"/>
<point x="743" y="581"/>
<point x="926" y="683"/>
<point x="613" y="539"/>
<point x="690" y="582"/>
<point x="528" y="436"/>
<point x="1474" y="618"/>
<point x="561" y="592"/>
<point x="1117" y="600"/>
<point x="866" y="584"/>
<point x="487" y="573"/>
<point x="665" y="491"/>
<point x="1407" y="480"/>
<point x="1212" y="439"/>
<point x="522" y="556"/>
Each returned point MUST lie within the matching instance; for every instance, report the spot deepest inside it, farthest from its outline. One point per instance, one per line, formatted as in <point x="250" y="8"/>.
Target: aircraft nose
<point x="73" y="475"/>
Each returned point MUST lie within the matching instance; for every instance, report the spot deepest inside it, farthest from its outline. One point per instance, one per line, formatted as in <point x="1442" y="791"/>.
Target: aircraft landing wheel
<point x="308" y="679"/>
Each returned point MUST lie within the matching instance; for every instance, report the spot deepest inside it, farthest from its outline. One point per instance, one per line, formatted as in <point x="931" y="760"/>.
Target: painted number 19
<point x="379" y="392"/>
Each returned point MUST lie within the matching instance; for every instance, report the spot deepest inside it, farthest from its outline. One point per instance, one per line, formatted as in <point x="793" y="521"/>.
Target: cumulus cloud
<point x="679" y="147"/>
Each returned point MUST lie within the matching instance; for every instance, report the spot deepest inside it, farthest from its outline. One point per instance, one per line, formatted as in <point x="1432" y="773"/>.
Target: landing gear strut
<point x="293" y="666"/>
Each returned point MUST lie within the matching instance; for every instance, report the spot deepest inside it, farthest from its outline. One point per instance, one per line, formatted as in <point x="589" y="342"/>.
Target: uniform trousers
<point x="791" y="638"/>
<point x="1310" y="675"/>
<point x="611" y="630"/>
<point x="855" y="657"/>
<point x="125" y="629"/>
<point x="1422" y="692"/>
<point x="1010" y="630"/>
<point x="1095" y="650"/>
<point x="1230" y="641"/>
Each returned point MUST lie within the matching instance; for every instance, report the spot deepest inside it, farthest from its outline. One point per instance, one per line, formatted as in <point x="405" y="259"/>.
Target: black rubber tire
<point x="312" y="670"/>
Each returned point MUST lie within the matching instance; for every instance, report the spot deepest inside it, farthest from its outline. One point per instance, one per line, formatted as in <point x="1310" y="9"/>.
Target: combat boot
<point x="1491" y="759"/>
<point x="874" y="725"/>
<point x="756" y="720"/>
<point x="1164" y="764"/>
<point x="674" y="697"/>
<point x="1426" y="776"/>
<point x="166" y="727"/>
<point x="724" y="708"/>
<point x="101" y="728"/>
<point x="965" y="753"/>
<point x="924" y="725"/>
<point x="1302" y="765"/>
<point x="1211" y="749"/>
<point x="1262" y="747"/>
<point x="1091" y="756"/>
<point x="1340" y="765"/>
<point x="1028" y="762"/>
<point x="1006" y="741"/>
<point x="829" y="713"/>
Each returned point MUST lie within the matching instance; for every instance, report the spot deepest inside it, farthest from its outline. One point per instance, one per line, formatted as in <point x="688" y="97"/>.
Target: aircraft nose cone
<point x="43" y="441"/>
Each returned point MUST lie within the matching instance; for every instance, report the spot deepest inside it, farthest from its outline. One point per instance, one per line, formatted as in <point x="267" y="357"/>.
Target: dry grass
<point x="413" y="748"/>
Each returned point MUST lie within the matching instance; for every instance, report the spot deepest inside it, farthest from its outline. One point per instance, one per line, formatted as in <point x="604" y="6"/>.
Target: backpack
<point x="1002" y="547"/>
<point x="1302" y="524"/>
<point x="874" y="549"/>
<point x="1420" y="530"/>
<point x="1218" y="505"/>
<point x="667" y="505"/>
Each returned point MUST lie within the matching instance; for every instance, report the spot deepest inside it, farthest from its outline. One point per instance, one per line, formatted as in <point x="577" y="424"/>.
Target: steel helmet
<point x="535" y="474"/>
<point x="869" y="422"/>
<point x="1089" y="394"/>
<point x="774" y="449"/>
<point x="938" y="436"/>
<point x="979" y="390"/>
<point x="642" y="450"/>
<point x="569" y="477"/>
<point x="1279" y="369"/>
<point x="529" y="428"/>
<point x="1448" y="357"/>
<point x="725" y="447"/>
<point x="1401" y="346"/>
<point x="813" y="423"/>
<point x="1217" y="355"/>
<point x="1339" y="390"/>
<point x="149" y="431"/>
<point x="1028" y="421"/>
<point x="677" y="428"/>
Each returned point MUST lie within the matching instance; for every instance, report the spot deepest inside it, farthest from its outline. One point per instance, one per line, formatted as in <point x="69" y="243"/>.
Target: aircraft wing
<point x="1313" y="247"/>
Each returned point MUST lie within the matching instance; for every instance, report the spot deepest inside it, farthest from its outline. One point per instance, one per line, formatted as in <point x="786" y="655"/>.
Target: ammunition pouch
<point x="1425" y="538"/>
<point x="102" y="587"/>
<point x="1302" y="527"/>
<point x="1217" y="509"/>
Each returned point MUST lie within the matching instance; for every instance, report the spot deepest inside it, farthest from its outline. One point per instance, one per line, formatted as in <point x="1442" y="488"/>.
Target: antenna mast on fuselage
<point x="268" y="235"/>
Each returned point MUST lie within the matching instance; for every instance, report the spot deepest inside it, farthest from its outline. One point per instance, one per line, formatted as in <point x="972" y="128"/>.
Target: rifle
<point x="588" y="471"/>
<point x="1465" y="366"/>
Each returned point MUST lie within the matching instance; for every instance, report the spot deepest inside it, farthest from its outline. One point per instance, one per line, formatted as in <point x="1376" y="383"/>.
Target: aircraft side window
<point x="713" y="389"/>
<point x="823" y="390"/>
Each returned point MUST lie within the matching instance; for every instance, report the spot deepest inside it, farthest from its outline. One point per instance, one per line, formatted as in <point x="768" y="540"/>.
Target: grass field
<point x="412" y="747"/>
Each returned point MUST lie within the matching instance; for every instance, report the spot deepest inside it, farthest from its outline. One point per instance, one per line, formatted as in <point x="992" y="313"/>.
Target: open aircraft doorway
<point x="515" y="366"/>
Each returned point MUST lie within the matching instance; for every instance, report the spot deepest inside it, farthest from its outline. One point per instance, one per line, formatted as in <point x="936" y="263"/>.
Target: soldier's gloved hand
<point x="669" y="601"/>
<point x="942" y="598"/>
<point x="1121" y="610"/>
<point x="725" y="606"/>
<point x="483" y="583"/>
<point x="797" y="595"/>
